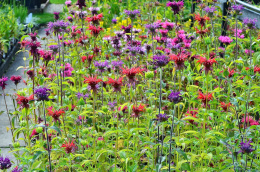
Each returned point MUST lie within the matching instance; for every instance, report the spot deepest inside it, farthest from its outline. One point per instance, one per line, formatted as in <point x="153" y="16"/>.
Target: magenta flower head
<point x="81" y="3"/>
<point x="68" y="3"/>
<point x="176" y="6"/>
<point x="16" y="169"/>
<point x="33" y="36"/>
<point x="5" y="163"/>
<point x="246" y="147"/>
<point x="175" y="96"/>
<point x="34" y="48"/>
<point x="42" y="93"/>
<point x="56" y="15"/>
<point x="101" y="65"/>
<point x="132" y="14"/>
<point x="162" y="117"/>
<point x="237" y="9"/>
<point x="16" y="79"/>
<point x="250" y="23"/>
<point x="225" y="40"/>
<point x="160" y="60"/>
<point x="3" y="82"/>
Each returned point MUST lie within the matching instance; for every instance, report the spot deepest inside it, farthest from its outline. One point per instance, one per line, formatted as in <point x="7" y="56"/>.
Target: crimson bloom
<point x="16" y="79"/>
<point x="81" y="3"/>
<point x="179" y="60"/>
<point x="207" y="63"/>
<point x="193" y="113"/>
<point x="256" y="69"/>
<point x="3" y="81"/>
<point x="55" y="114"/>
<point x="137" y="110"/>
<point x="95" y="30"/>
<point x="116" y="83"/>
<point x="225" y="106"/>
<point x="92" y="83"/>
<point x="131" y="73"/>
<point x="69" y="146"/>
<point x="95" y="19"/>
<point x="205" y="98"/>
<point x="201" y="20"/>
<point x="23" y="101"/>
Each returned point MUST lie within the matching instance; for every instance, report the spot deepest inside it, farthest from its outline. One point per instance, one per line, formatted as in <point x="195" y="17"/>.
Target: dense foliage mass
<point x="138" y="86"/>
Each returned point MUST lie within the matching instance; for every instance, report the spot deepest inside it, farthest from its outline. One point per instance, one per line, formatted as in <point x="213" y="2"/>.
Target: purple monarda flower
<point x="175" y="96"/>
<point x="5" y="163"/>
<point x="81" y="95"/>
<point x="176" y="6"/>
<point x="114" y="21"/>
<point x="133" y="50"/>
<point x="112" y="105"/>
<point x="117" y="64"/>
<point x="56" y="15"/>
<point x="81" y="3"/>
<point x="101" y="65"/>
<point x="3" y="82"/>
<point x="251" y="23"/>
<point x="58" y="26"/>
<point x="210" y="10"/>
<point x="54" y="48"/>
<point x="160" y="60"/>
<point x="237" y="9"/>
<point x="246" y="147"/>
<point x="152" y="27"/>
<point x="16" y="169"/>
<point x="132" y="13"/>
<point x="94" y="10"/>
<point x="42" y="93"/>
<point x="162" y="117"/>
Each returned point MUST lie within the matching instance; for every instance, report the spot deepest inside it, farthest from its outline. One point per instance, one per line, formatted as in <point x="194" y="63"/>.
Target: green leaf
<point x="56" y="129"/>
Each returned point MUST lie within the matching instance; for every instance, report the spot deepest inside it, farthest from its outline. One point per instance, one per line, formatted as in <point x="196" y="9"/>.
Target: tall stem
<point x="160" y="104"/>
<point x="250" y="52"/>
<point x="170" y="152"/>
<point x="8" y="116"/>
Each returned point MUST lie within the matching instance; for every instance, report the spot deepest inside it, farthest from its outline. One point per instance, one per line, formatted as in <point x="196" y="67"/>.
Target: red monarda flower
<point x="95" y="19"/>
<point x="95" y="30"/>
<point x="205" y="98"/>
<point x="92" y="83"/>
<point x="225" y="106"/>
<point x="69" y="146"/>
<point x="89" y="58"/>
<point x="130" y="73"/>
<point x="55" y="114"/>
<point x="16" y="79"/>
<point x="202" y="32"/>
<point x="201" y="20"/>
<point x="116" y="83"/>
<point x="192" y="113"/>
<point x="231" y="72"/>
<point x="137" y="110"/>
<point x="207" y="63"/>
<point x="256" y="69"/>
<point x="179" y="60"/>
<point x="23" y="101"/>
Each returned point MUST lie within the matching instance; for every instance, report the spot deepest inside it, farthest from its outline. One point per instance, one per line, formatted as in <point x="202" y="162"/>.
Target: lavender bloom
<point x="56" y="15"/>
<point x="237" y="9"/>
<point x="162" y="117"/>
<point x="175" y="97"/>
<point x="117" y="64"/>
<point x="81" y="3"/>
<point x="160" y="60"/>
<point x="81" y="95"/>
<point x="119" y="34"/>
<point x="176" y="6"/>
<point x="101" y="65"/>
<point x="94" y="10"/>
<point x="112" y="105"/>
<point x="246" y="147"/>
<point x="81" y="14"/>
<point x="210" y="10"/>
<point x="152" y="27"/>
<point x="5" y="163"/>
<point x="58" y="26"/>
<point x="54" y="48"/>
<point x="3" y="82"/>
<point x="114" y="21"/>
<point x="251" y="23"/>
<point x="16" y="169"/>
<point x="133" y="50"/>
<point x="132" y="14"/>
<point x="42" y="93"/>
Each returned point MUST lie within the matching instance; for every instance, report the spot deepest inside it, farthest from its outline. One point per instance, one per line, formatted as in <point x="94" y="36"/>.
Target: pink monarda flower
<point x="67" y="70"/>
<point x="16" y="79"/>
<point x="3" y="82"/>
<point x="175" y="6"/>
<point x="248" y="51"/>
<point x="68" y="3"/>
<point x="225" y="40"/>
<point x="239" y="33"/>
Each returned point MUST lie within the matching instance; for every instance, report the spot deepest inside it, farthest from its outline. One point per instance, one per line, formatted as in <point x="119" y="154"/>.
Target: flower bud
<point x="39" y="130"/>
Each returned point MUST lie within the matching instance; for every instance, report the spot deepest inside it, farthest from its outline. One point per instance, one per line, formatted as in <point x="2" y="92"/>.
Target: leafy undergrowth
<point x="141" y="89"/>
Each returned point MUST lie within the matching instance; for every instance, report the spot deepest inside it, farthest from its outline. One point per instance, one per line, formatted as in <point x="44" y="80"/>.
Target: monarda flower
<point x="24" y="43"/>
<point x="160" y="60"/>
<point x="67" y="70"/>
<point x="101" y="65"/>
<point x="23" y="101"/>
<point x="225" y="40"/>
<point x="69" y="146"/>
<point x="92" y="83"/>
<point x="16" y="79"/>
<point x="34" y="48"/>
<point x="210" y="10"/>
<point x="81" y="3"/>
<point x="5" y="163"/>
<point x="55" y="114"/>
<point x="175" y="96"/>
<point x="137" y="110"/>
<point x="201" y="20"/>
<point x="175" y="6"/>
<point x="58" y="26"/>
<point x="117" y="64"/>
<point x="68" y="3"/>
<point x="30" y="73"/>
<point x="250" y="23"/>
<point x="179" y="60"/>
<point x="114" y="21"/>
<point x="116" y="83"/>
<point x="152" y="28"/>
<point x="205" y="98"/>
<point x="237" y="9"/>
<point x="167" y="25"/>
<point x="94" y="10"/>
<point x="95" y="30"/>
<point x="131" y="73"/>
<point x="256" y="69"/>
<point x="16" y="169"/>
<point x="193" y="113"/>
<point x="127" y="29"/>
<point x="246" y="147"/>
<point x="202" y="32"/>
<point x="132" y="13"/>
<point x="3" y="81"/>
<point x="207" y="63"/>
<point x="95" y="19"/>
<point x="33" y="36"/>
<point x="162" y="117"/>
<point x="225" y="106"/>
<point x="56" y="15"/>
<point x="42" y="93"/>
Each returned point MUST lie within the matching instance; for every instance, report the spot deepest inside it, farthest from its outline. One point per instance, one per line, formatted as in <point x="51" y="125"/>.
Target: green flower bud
<point x="23" y="123"/>
<point x="84" y="142"/>
<point x="85" y="131"/>
<point x="207" y="40"/>
<point x="105" y="109"/>
<point x="16" y="144"/>
<point x="39" y="130"/>
<point x="149" y="75"/>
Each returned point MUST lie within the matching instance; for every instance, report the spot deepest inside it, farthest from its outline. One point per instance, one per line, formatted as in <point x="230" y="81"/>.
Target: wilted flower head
<point x="160" y="60"/>
<point x="175" y="96"/>
<point x="5" y="163"/>
<point x="175" y="6"/>
<point x="101" y="65"/>
<point x="132" y="13"/>
<point x="251" y="23"/>
<point x="246" y="147"/>
<point x="162" y="117"/>
<point x="3" y="82"/>
<point x="42" y="93"/>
